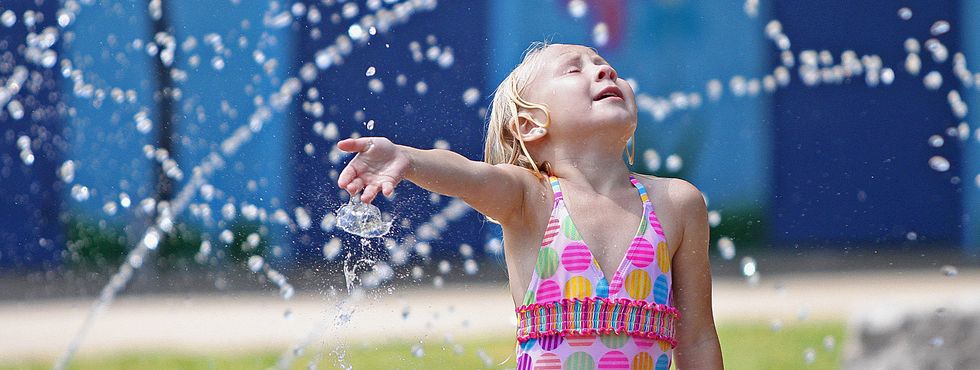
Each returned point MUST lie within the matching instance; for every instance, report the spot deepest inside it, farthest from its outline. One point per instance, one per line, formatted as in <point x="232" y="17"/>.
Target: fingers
<point x="346" y="176"/>
<point x="355" y="186"/>
<point x="355" y="145"/>
<point x="387" y="188"/>
<point x="369" y="193"/>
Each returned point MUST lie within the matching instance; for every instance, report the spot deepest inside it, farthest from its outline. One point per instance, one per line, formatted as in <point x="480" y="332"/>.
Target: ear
<point x="527" y="128"/>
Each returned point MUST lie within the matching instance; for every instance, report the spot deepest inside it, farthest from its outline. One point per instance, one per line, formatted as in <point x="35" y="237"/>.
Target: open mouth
<point x="609" y="92"/>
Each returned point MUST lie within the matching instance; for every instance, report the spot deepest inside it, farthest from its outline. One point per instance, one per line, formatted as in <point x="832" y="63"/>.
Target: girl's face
<point x="584" y="94"/>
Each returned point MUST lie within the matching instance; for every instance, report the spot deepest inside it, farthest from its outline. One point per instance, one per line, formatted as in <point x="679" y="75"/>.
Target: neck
<point x="600" y="172"/>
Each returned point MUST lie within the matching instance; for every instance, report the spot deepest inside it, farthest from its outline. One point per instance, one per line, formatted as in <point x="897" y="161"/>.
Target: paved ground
<point x="233" y="322"/>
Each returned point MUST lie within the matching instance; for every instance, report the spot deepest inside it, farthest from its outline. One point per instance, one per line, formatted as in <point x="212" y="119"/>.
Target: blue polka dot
<point x="663" y="362"/>
<point x="602" y="288"/>
<point x="660" y="290"/>
<point x="526" y="346"/>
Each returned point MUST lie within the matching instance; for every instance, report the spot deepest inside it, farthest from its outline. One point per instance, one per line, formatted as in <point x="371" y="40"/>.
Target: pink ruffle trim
<point x="662" y="332"/>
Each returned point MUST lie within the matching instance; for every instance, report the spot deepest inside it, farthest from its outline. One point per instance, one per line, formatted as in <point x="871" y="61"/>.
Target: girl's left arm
<point x="698" y="346"/>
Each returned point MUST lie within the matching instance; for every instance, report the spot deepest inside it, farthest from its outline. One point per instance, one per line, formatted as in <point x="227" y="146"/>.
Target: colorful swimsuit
<point x="574" y="318"/>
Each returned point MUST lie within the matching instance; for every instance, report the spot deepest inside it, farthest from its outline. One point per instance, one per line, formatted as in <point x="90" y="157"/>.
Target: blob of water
<point x="362" y="219"/>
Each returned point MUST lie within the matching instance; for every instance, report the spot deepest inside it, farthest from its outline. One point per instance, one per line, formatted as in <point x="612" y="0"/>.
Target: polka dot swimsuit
<point x="573" y="317"/>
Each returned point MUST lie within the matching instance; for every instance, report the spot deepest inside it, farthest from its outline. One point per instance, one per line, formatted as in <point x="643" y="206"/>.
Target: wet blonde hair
<point x="504" y="143"/>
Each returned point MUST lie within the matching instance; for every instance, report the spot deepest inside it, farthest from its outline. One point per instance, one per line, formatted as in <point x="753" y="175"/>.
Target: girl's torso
<point x="606" y="228"/>
<point x="613" y="309"/>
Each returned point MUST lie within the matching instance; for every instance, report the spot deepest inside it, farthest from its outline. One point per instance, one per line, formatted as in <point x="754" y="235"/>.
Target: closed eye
<point x="572" y="71"/>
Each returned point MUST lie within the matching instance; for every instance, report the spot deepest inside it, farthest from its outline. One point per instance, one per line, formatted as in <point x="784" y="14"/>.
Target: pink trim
<point x="532" y="317"/>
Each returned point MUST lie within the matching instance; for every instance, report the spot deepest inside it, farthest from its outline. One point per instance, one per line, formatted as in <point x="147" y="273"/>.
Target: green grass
<point x="744" y="346"/>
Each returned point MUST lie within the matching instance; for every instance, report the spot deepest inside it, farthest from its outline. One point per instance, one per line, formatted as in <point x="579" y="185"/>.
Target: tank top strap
<point x="642" y="189"/>
<point x="556" y="189"/>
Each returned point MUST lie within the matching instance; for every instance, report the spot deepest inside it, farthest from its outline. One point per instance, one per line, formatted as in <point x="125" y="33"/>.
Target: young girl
<point x="621" y="286"/>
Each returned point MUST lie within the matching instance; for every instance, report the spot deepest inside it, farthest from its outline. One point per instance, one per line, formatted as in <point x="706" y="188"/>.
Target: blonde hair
<point x="504" y="143"/>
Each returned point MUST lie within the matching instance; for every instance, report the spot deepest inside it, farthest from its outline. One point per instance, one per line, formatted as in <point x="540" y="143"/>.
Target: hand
<point x="378" y="165"/>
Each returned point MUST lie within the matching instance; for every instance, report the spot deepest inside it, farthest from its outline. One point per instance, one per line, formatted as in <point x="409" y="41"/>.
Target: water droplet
<point x="773" y="29"/>
<point x="751" y="8"/>
<point x="748" y="266"/>
<point x="417" y="273"/>
<point x="652" y="160"/>
<point x="444" y="267"/>
<point x="437" y="282"/>
<point x="369" y="125"/>
<point x="370" y="71"/>
<point x="328" y="222"/>
<point x="471" y="96"/>
<point x="911" y="235"/>
<point x="302" y="218"/>
<point x="776" y="325"/>
<point x="939" y="163"/>
<point x="286" y="291"/>
<point x="674" y="163"/>
<point x="905" y="13"/>
<point x="255" y="263"/>
<point x="949" y="271"/>
<point x="16" y="109"/>
<point x="577" y="8"/>
<point x="446" y="58"/>
<point x="939" y="28"/>
<point x="217" y="63"/>
<point x="376" y="86"/>
<point x="714" y="218"/>
<point x="135" y="260"/>
<point x="913" y="64"/>
<point x="600" y="34"/>
<point x="356" y="32"/>
<point x="714" y="90"/>
<point x="809" y="356"/>
<point x="226" y="236"/>
<point x="8" y="18"/>
<point x="829" y="342"/>
<point x="67" y="171"/>
<point x="417" y="350"/>
<point x="421" y="87"/>
<point x="936" y="141"/>
<point x="887" y="76"/>
<point x="79" y="193"/>
<point x="470" y="267"/>
<point x="936" y="341"/>
<point x="332" y="248"/>
<point x="726" y="247"/>
<point x="110" y="208"/>
<point x="349" y="10"/>
<point x="252" y="241"/>
<point x="151" y="239"/>
<point x="466" y="250"/>
<point x="933" y="80"/>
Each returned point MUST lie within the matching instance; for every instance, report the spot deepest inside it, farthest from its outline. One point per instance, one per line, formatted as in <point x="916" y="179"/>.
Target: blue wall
<point x="850" y="161"/>
<point x="30" y="232"/>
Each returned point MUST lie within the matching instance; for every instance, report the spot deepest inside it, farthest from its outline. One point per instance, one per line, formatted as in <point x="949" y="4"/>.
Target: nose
<point x="606" y="71"/>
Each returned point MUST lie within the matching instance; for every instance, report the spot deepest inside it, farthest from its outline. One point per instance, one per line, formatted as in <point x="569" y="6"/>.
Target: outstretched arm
<point x="496" y="191"/>
<point x="698" y="346"/>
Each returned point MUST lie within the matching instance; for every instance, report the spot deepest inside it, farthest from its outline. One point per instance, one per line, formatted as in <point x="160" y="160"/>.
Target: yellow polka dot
<point x="642" y="361"/>
<point x="638" y="284"/>
<point x="663" y="257"/>
<point x="578" y="287"/>
<point x="664" y="345"/>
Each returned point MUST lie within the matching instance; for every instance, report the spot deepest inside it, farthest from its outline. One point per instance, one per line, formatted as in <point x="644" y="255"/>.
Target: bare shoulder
<point x="679" y="192"/>
<point x="680" y="203"/>
<point x="534" y="193"/>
